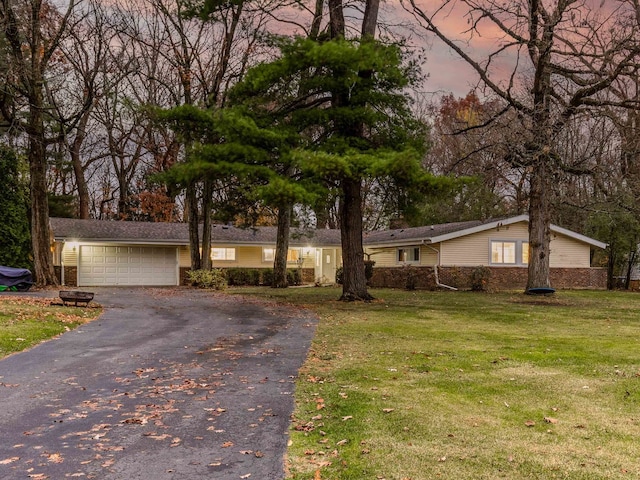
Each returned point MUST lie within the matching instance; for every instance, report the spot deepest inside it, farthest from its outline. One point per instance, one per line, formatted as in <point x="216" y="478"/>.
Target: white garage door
<point x="127" y="265"/>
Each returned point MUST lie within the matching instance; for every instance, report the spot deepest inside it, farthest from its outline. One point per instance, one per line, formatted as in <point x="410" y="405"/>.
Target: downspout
<point x="62" y="264"/>
<point x="435" y="269"/>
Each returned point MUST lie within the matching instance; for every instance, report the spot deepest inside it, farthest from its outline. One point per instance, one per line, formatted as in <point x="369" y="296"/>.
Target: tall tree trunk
<point x="336" y="18"/>
<point x="282" y="247"/>
<point x="354" y="280"/>
<point x="40" y="230"/>
<point x="78" y="170"/>
<point x="539" y="226"/>
<point x="370" y="19"/>
<point x="193" y="215"/>
<point x="207" y="207"/>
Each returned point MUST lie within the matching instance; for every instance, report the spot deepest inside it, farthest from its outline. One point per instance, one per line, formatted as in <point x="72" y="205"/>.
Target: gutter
<point x="435" y="269"/>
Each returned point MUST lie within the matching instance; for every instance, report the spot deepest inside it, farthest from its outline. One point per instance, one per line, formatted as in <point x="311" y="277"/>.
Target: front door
<point x="328" y="265"/>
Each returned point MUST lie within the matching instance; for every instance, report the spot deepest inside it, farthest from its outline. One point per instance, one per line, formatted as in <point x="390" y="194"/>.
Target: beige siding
<point x="387" y="257"/>
<point x="246" y="257"/>
<point x="184" y="257"/>
<point x="568" y="253"/>
<point x="69" y="255"/>
<point x="473" y="250"/>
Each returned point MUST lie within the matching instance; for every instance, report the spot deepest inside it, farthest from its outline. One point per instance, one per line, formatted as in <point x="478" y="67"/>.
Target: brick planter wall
<point x="500" y="278"/>
<point x="70" y="275"/>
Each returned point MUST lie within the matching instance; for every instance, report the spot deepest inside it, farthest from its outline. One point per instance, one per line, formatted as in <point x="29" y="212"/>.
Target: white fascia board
<point x="579" y="237"/>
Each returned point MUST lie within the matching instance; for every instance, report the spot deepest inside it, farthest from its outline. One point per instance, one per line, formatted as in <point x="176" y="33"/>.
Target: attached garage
<point x="109" y="265"/>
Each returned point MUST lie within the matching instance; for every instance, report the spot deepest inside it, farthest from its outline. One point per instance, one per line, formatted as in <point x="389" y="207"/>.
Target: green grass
<point x="459" y="385"/>
<point x="25" y="322"/>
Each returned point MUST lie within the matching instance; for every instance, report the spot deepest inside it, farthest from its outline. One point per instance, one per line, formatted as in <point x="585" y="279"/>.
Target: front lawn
<point x="460" y="385"/>
<point x="27" y="321"/>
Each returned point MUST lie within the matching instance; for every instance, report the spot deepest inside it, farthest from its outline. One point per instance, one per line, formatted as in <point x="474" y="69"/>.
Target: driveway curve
<point x="173" y="384"/>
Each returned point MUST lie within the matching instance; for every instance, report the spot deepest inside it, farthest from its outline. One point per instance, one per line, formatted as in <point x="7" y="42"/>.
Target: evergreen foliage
<point x="15" y="248"/>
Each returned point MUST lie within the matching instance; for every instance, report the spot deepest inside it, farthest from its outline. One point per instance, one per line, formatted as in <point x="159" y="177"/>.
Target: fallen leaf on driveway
<point x="55" y="458"/>
<point x="7" y="461"/>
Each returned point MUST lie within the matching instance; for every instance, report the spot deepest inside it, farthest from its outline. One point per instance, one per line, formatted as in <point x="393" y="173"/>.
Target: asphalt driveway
<point x="166" y="384"/>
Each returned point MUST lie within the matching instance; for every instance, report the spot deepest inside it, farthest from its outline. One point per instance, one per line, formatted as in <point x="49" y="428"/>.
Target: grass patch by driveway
<point x="457" y="385"/>
<point x="25" y="322"/>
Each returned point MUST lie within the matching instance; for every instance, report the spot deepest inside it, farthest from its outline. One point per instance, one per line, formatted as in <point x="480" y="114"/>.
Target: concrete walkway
<point x="166" y="384"/>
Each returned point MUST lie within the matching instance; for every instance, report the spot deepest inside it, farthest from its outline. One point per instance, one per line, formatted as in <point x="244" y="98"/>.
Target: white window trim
<point x="518" y="252"/>
<point x="272" y="254"/>
<point x="226" y="254"/>
<point x="408" y="262"/>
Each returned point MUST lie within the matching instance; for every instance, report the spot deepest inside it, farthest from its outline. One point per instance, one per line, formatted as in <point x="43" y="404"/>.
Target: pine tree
<point x="15" y="242"/>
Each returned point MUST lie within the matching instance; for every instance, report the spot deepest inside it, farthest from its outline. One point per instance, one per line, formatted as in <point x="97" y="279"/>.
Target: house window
<point x="269" y="255"/>
<point x="224" y="254"/>
<point x="409" y="255"/>
<point x="509" y="252"/>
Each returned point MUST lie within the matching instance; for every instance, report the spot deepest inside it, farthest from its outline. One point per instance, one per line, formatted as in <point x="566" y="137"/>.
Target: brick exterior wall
<point x="498" y="278"/>
<point x="70" y="275"/>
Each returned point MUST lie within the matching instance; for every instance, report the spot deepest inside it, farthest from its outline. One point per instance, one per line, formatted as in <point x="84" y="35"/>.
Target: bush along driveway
<point x="166" y="384"/>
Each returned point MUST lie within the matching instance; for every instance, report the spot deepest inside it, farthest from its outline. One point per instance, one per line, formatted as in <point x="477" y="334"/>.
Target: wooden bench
<point x="75" y="297"/>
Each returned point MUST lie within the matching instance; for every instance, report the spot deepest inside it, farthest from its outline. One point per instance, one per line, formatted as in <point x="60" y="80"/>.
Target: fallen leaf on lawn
<point x="348" y="417"/>
<point x="530" y="423"/>
<point x="342" y="442"/>
<point x="7" y="461"/>
<point x="442" y="459"/>
<point x="550" y="420"/>
<point x="317" y="475"/>
<point x="387" y="410"/>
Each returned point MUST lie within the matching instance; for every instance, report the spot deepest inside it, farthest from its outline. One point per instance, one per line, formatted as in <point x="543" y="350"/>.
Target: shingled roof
<point x="416" y="234"/>
<point x="70" y="229"/>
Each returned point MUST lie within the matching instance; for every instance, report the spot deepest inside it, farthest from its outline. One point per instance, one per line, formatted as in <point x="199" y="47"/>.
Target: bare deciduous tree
<point x="564" y="57"/>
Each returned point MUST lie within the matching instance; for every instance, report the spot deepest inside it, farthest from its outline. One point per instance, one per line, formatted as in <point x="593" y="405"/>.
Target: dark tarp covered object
<point x="16" y="279"/>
